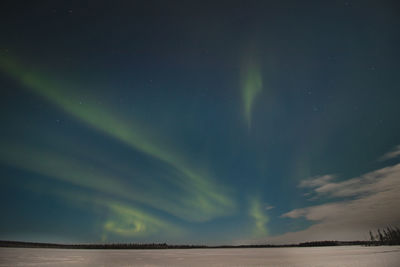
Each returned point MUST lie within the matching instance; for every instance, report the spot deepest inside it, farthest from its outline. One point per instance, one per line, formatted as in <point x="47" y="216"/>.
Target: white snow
<point x="350" y="256"/>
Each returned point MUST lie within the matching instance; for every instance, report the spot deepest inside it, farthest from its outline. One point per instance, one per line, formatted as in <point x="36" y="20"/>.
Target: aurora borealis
<point x="198" y="122"/>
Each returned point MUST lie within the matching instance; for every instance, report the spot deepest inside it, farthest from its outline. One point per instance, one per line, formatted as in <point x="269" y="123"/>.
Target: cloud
<point x="356" y="206"/>
<point x="369" y="183"/>
<point x="269" y="207"/>
<point x="316" y="181"/>
<point x="391" y="155"/>
<point x="206" y="198"/>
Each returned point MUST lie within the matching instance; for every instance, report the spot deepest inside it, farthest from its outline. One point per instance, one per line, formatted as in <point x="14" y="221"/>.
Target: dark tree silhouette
<point x="387" y="236"/>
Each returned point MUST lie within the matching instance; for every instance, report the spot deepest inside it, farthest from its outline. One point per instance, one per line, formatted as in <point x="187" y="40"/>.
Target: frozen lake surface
<point x="354" y="256"/>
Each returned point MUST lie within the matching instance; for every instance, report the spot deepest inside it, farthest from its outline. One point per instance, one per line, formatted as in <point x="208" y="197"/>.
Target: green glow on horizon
<point x="205" y="199"/>
<point x="122" y="219"/>
<point x="130" y="222"/>
<point x="257" y="213"/>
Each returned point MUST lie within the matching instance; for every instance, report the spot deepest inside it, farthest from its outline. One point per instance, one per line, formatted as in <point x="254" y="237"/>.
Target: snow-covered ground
<point x="352" y="256"/>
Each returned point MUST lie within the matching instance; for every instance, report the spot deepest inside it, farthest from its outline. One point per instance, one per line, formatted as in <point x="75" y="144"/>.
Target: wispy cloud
<point x="316" y="181"/>
<point x="392" y="154"/>
<point x="269" y="207"/>
<point x="357" y="205"/>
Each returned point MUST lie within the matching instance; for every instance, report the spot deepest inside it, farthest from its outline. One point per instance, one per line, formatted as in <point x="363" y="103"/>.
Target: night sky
<point x="199" y="122"/>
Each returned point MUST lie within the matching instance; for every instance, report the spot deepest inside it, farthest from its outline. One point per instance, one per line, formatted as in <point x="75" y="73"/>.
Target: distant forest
<point x="387" y="236"/>
<point x="167" y="246"/>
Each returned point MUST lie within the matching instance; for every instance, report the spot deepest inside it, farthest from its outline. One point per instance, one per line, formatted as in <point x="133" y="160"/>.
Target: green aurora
<point x="159" y="123"/>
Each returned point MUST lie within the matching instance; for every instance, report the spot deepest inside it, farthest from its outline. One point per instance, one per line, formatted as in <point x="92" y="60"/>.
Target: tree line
<point x="387" y="236"/>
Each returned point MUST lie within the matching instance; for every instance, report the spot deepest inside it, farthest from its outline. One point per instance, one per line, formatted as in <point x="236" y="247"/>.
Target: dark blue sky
<point x="198" y="122"/>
